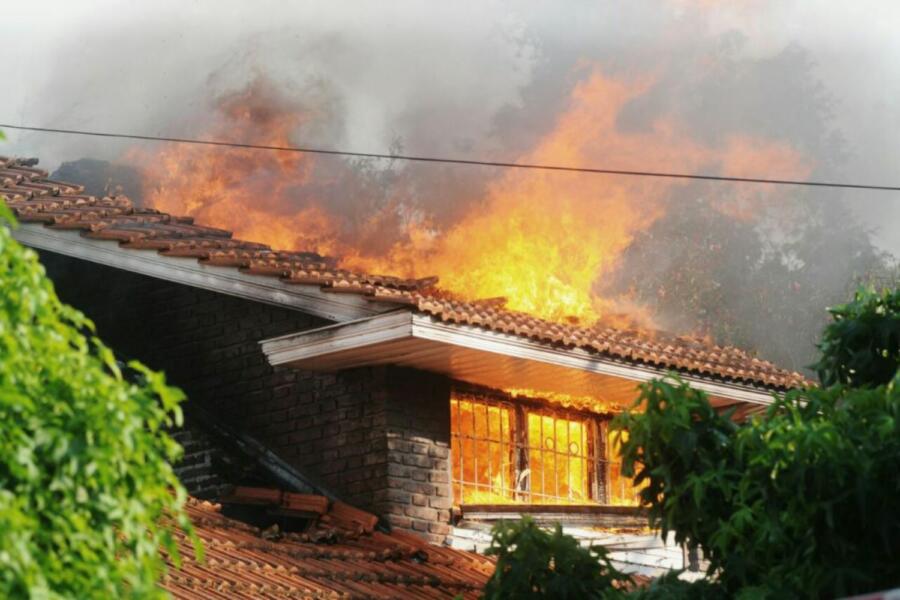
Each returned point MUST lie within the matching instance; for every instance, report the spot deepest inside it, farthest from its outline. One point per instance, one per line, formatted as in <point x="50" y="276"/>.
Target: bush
<point x="670" y="587"/>
<point x="86" y="487"/>
<point x="862" y="346"/>
<point x="534" y="563"/>
<point x="797" y="503"/>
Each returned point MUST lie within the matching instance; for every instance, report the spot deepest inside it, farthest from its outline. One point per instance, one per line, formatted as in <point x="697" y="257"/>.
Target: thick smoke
<point x="490" y="82"/>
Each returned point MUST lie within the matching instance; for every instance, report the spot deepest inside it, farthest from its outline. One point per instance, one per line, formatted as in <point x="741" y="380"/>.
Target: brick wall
<point x="378" y="437"/>
<point x="417" y="496"/>
<point x="199" y="470"/>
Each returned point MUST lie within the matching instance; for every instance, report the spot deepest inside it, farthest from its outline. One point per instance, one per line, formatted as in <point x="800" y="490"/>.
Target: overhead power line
<point x="460" y="161"/>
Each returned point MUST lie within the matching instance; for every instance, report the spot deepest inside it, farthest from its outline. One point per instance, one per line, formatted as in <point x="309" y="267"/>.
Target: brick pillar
<point x="417" y="497"/>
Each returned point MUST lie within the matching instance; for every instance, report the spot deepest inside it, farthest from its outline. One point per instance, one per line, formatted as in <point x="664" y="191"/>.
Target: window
<point x="483" y="452"/>
<point x="558" y="458"/>
<point x="620" y="489"/>
<point x="504" y="452"/>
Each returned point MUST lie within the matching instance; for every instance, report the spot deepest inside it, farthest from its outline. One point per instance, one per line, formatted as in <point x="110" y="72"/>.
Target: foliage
<point x="534" y="563"/>
<point x="862" y="345"/>
<point x="799" y="503"/>
<point x="686" y="445"/>
<point x="87" y="493"/>
<point x="670" y="587"/>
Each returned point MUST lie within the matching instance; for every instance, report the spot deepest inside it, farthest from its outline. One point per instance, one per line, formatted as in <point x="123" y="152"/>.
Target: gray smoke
<point x="481" y="80"/>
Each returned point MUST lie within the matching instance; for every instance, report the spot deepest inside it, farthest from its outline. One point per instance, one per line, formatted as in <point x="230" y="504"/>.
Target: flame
<point x="487" y="449"/>
<point x="587" y="403"/>
<point x="621" y="490"/>
<point x="252" y="193"/>
<point x="539" y="239"/>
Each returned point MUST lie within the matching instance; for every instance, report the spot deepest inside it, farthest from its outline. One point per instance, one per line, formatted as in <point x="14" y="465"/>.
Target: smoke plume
<point x="677" y="86"/>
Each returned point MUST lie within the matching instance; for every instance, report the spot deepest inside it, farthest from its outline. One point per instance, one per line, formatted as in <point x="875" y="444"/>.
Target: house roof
<point x="339" y="555"/>
<point x="60" y="206"/>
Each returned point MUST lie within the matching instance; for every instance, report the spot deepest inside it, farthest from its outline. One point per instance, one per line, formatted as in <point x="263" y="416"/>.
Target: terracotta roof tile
<point x="352" y="563"/>
<point x="35" y="198"/>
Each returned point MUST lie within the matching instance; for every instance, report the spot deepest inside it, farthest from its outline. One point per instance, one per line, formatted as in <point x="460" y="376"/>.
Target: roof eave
<point x="477" y="355"/>
<point x="189" y="271"/>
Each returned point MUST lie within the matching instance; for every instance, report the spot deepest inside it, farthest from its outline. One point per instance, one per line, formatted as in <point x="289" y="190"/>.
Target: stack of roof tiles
<point x="340" y="555"/>
<point x="35" y="198"/>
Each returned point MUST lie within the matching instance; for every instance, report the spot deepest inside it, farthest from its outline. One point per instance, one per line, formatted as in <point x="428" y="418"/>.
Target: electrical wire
<point x="460" y="161"/>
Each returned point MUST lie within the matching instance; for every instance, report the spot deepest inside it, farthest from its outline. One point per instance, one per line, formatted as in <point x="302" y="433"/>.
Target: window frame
<point x="595" y="454"/>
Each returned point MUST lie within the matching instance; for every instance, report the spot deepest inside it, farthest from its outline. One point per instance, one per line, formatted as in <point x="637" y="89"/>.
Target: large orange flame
<point x="540" y="239"/>
<point x="254" y="194"/>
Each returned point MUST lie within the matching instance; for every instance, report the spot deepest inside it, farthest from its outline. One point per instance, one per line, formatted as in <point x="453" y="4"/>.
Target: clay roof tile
<point x="35" y="198"/>
<point x="362" y="562"/>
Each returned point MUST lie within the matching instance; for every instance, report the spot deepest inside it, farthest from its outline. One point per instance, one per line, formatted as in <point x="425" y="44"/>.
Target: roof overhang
<point x="479" y="356"/>
<point x="189" y="271"/>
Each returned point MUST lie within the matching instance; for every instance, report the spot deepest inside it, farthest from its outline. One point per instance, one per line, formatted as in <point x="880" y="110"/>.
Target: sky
<point x="469" y="79"/>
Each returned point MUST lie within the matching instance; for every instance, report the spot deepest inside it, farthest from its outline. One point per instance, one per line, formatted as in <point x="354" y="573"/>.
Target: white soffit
<point x="189" y="271"/>
<point x="479" y="356"/>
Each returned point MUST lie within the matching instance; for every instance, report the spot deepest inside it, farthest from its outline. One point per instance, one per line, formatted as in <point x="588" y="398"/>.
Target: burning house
<point x="435" y="412"/>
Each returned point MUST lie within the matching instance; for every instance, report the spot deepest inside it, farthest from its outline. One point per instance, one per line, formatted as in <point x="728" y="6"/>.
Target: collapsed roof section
<point x="59" y="217"/>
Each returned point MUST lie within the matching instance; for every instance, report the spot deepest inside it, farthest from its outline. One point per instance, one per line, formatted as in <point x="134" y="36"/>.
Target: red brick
<point x="440" y="502"/>
<point x="419" y="512"/>
<point x="439" y="528"/>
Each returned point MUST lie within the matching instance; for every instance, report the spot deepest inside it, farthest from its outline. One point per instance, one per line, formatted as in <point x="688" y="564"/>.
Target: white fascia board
<point x="373" y="331"/>
<point x="575" y="358"/>
<point x="189" y="271"/>
<point x="326" y="340"/>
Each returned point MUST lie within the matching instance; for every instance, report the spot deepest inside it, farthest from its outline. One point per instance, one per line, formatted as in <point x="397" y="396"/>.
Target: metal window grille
<point x="483" y="451"/>
<point x="620" y="490"/>
<point x="560" y="458"/>
<point x="504" y="453"/>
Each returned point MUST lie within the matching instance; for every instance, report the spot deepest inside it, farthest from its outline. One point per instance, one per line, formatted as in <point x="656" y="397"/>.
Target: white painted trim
<point x="373" y="331"/>
<point x="189" y="271"/>
<point x="342" y="336"/>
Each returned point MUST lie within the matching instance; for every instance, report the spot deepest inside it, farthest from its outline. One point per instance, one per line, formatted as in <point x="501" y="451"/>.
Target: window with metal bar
<point x="504" y="452"/>
<point x="621" y="490"/>
<point x="559" y="459"/>
<point x="482" y="450"/>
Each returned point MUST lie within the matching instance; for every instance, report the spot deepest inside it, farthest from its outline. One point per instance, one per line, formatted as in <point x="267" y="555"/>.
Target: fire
<point x="539" y="239"/>
<point x="501" y="455"/>
<point x="576" y="402"/>
<point x="622" y="490"/>
<point x="542" y="239"/>
<point x="252" y="193"/>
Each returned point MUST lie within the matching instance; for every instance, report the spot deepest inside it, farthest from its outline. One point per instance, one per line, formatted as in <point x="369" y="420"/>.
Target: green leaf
<point x="87" y="495"/>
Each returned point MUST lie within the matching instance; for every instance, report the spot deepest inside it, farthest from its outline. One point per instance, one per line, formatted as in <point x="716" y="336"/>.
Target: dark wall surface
<point x="377" y="437"/>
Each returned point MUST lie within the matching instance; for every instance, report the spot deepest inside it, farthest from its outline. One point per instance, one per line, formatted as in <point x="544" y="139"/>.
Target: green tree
<point x="862" y="345"/>
<point x="798" y="503"/>
<point x="87" y="494"/>
<point x="534" y="563"/>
